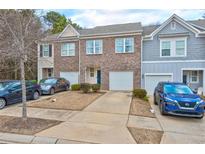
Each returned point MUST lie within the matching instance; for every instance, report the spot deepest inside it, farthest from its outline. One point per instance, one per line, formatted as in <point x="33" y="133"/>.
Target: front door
<point x="98" y="76"/>
<point x="185" y="79"/>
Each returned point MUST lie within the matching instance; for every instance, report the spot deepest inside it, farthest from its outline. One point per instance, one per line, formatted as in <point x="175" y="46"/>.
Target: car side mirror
<point x="159" y="90"/>
<point x="11" y="90"/>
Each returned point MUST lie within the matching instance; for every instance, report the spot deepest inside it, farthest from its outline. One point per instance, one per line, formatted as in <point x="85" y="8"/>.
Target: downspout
<point x="38" y="58"/>
<point x="141" y="61"/>
<point x="79" y="60"/>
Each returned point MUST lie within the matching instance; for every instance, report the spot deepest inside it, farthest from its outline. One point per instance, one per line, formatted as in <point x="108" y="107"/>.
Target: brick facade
<point x="111" y="61"/>
<point x="107" y="61"/>
<point x="65" y="63"/>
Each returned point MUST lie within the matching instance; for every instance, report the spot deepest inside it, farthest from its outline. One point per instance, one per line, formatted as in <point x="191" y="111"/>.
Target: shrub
<point x="95" y="87"/>
<point x="75" y="87"/>
<point x="85" y="87"/>
<point x="146" y="98"/>
<point x="34" y="81"/>
<point x="139" y="93"/>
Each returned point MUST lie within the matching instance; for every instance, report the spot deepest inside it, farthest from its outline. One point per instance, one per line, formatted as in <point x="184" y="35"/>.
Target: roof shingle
<point x="110" y="29"/>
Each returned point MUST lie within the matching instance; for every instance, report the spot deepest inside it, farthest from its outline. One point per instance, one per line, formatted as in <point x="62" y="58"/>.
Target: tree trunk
<point x="23" y="83"/>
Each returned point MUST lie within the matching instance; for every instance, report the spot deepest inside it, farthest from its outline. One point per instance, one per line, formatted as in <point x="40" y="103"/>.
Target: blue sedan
<point x="178" y="99"/>
<point x="11" y="92"/>
<point x="53" y="84"/>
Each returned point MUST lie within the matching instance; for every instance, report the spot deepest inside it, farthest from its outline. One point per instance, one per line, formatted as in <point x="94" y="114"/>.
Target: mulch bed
<point x="71" y="100"/>
<point x="31" y="126"/>
<point x="146" y="136"/>
<point x="141" y="108"/>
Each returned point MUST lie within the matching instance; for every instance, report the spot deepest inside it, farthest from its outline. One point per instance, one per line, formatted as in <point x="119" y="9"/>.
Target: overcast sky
<point x="91" y="18"/>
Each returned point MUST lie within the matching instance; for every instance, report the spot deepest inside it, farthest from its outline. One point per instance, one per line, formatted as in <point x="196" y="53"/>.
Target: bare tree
<point x="19" y="32"/>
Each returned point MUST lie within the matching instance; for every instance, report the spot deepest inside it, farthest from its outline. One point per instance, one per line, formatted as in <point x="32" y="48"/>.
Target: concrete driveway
<point x="180" y="130"/>
<point x="104" y="121"/>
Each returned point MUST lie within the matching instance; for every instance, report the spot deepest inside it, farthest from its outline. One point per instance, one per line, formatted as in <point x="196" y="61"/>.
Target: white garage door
<point x="121" y="80"/>
<point x="72" y="77"/>
<point x="151" y="81"/>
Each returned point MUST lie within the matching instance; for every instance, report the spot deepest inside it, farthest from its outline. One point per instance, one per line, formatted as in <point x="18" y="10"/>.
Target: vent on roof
<point x="173" y="25"/>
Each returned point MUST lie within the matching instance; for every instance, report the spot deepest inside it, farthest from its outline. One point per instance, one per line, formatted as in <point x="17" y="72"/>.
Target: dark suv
<point x="178" y="99"/>
<point x="11" y="92"/>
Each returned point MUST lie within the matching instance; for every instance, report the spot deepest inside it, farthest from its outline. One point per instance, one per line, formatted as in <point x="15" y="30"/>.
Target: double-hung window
<point x="173" y="47"/>
<point x="68" y="49"/>
<point x="94" y="46"/>
<point x="124" y="45"/>
<point x="46" y="50"/>
<point x="166" y="48"/>
<point x="194" y="77"/>
<point x="92" y="72"/>
<point x="180" y="48"/>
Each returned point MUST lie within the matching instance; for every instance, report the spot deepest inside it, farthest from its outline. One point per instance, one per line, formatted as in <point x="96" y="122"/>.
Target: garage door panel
<point x="72" y="77"/>
<point x="121" y="80"/>
<point x="151" y="82"/>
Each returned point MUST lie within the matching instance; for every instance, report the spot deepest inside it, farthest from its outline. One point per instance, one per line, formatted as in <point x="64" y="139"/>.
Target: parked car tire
<point x="67" y="88"/>
<point x="155" y="102"/>
<point x="2" y="103"/>
<point x="52" y="91"/>
<point x="36" y="95"/>
<point x="161" y="108"/>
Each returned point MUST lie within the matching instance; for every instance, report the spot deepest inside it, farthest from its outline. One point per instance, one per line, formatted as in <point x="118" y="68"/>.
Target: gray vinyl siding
<point x="195" y="46"/>
<point x="175" y="68"/>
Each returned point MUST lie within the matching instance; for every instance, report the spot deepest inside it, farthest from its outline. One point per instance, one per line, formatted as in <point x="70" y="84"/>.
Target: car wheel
<point x="67" y="88"/>
<point x="155" y="101"/>
<point x="161" y="108"/>
<point x="52" y="91"/>
<point x="2" y="103"/>
<point x="36" y="95"/>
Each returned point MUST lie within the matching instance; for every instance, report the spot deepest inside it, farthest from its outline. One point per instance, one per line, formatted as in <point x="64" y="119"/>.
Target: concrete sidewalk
<point x="8" y="138"/>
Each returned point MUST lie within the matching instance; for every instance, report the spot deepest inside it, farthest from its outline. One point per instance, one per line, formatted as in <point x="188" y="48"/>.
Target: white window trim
<point x="94" y="52"/>
<point x="197" y="77"/>
<point x="43" y="55"/>
<point x="68" y="50"/>
<point x="173" y="46"/>
<point x="124" y="45"/>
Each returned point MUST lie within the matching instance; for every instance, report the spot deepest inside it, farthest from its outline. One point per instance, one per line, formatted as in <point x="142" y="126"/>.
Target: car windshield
<point x="48" y="81"/>
<point x="4" y="85"/>
<point x="177" y="89"/>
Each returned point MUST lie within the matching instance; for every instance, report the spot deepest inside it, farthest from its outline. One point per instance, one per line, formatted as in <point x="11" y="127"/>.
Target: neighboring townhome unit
<point x="63" y="60"/>
<point x="107" y="55"/>
<point x="174" y="51"/>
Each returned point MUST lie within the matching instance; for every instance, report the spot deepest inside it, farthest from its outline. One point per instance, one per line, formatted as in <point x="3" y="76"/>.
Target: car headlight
<point x="45" y="87"/>
<point x="201" y="101"/>
<point x="170" y="100"/>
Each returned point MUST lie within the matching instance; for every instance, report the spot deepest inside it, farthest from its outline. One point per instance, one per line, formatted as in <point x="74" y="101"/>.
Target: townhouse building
<point x="174" y="51"/>
<point x="107" y="55"/>
<point x="127" y="56"/>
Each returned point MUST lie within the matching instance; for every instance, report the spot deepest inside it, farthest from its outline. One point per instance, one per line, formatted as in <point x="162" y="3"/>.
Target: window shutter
<point x="41" y="50"/>
<point x="50" y="50"/>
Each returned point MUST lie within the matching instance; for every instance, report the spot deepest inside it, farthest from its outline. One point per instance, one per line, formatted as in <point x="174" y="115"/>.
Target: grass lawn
<point x="146" y="136"/>
<point x="70" y="100"/>
<point x="141" y="108"/>
<point x="31" y="126"/>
